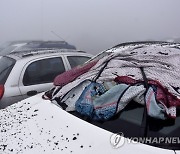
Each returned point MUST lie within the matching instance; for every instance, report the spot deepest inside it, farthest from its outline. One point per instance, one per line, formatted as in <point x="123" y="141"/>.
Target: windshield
<point x="41" y="45"/>
<point x="6" y="65"/>
<point x="4" y="45"/>
<point x="7" y="50"/>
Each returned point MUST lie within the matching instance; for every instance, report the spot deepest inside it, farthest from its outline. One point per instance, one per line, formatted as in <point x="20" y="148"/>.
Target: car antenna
<point x="58" y="36"/>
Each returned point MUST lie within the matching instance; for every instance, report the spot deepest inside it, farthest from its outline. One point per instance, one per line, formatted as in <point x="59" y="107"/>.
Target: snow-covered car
<point x="82" y="114"/>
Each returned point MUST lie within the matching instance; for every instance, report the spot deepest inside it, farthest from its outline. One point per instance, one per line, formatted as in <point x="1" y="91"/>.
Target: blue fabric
<point x="84" y="105"/>
<point x="154" y="108"/>
<point x="106" y="104"/>
<point x="97" y="103"/>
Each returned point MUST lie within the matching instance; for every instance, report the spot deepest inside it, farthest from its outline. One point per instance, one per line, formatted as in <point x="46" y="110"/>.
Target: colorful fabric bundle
<point x="99" y="103"/>
<point x="160" y="63"/>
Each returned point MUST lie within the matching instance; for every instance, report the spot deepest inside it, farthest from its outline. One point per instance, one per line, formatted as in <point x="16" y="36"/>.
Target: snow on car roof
<point x="135" y="45"/>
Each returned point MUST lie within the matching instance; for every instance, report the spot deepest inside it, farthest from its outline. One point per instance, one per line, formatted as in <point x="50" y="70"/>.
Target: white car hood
<point x="35" y="126"/>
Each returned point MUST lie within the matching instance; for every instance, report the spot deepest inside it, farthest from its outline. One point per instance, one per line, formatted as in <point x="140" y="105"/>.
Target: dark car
<point x="13" y="46"/>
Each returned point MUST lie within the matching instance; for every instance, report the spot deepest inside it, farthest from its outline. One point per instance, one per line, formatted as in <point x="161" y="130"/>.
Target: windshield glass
<point x="41" y="45"/>
<point x="4" y="45"/>
<point x="6" y="65"/>
<point x="7" y="50"/>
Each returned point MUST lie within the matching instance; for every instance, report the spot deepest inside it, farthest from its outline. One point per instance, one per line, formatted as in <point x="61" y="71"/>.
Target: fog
<point x="90" y="25"/>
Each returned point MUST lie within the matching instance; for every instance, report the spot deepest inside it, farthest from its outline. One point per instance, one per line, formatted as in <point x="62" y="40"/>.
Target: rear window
<point x="6" y="65"/>
<point x="129" y="122"/>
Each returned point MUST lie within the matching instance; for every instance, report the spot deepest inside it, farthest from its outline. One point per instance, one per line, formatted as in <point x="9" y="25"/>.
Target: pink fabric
<point x="163" y="95"/>
<point x="72" y="74"/>
<point x="149" y="100"/>
<point x="125" y="79"/>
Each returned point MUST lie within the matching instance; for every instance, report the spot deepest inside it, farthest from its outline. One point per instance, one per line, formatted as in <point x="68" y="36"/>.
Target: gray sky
<point x="90" y="25"/>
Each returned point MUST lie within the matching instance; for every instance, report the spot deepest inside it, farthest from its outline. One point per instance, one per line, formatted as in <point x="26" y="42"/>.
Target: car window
<point x="164" y="127"/>
<point x="6" y="65"/>
<point x="127" y="120"/>
<point x="77" y="60"/>
<point x="129" y="123"/>
<point x="58" y="45"/>
<point x="4" y="45"/>
<point x="169" y="129"/>
<point x="43" y="71"/>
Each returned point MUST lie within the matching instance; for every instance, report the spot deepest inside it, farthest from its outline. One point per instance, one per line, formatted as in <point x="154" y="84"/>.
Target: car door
<point x="38" y="75"/>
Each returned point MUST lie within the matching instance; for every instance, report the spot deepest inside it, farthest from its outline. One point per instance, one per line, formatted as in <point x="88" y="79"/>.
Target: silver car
<point x="24" y="74"/>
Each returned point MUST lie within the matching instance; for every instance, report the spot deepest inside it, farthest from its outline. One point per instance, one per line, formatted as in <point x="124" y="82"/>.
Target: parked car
<point x="15" y="46"/>
<point x="37" y="126"/>
<point x="42" y="125"/>
<point x="23" y="74"/>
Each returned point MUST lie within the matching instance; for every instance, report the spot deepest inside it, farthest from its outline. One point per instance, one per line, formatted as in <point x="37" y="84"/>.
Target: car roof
<point x="163" y="43"/>
<point x="32" y="53"/>
<point x="136" y="45"/>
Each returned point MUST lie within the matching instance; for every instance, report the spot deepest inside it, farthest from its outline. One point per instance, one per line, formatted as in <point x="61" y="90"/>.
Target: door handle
<point x="32" y="93"/>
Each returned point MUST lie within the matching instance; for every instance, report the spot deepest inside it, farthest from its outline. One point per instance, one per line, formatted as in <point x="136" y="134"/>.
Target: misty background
<point x="90" y="25"/>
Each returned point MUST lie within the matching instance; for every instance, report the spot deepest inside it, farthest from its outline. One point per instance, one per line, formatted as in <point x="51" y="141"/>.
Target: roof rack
<point x="38" y="51"/>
